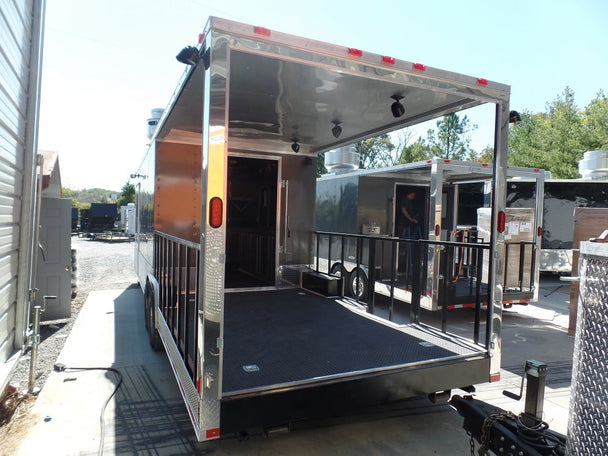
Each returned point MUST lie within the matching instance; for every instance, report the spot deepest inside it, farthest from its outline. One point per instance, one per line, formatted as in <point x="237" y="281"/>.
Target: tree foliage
<point x="377" y="152"/>
<point x="452" y="139"/>
<point x="556" y="139"/>
<point x="127" y="195"/>
<point x="84" y="198"/>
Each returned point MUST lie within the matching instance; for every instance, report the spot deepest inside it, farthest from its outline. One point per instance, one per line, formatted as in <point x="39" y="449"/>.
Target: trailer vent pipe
<point x="152" y="122"/>
<point x="594" y="165"/>
<point x="342" y="160"/>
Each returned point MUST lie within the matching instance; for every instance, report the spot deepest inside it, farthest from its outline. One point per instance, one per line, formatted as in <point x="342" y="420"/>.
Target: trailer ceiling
<point x="274" y="101"/>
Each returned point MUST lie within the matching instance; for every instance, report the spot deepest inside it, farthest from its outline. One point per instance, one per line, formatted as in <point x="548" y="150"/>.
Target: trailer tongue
<point x="225" y="208"/>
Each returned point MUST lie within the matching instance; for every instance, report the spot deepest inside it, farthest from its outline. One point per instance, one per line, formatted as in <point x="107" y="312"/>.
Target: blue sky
<point x="108" y="63"/>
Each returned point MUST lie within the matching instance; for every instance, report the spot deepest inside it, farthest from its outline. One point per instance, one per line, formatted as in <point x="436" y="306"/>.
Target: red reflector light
<point x="212" y="433"/>
<point x="198" y="384"/>
<point x="429" y="161"/>
<point x="501" y="222"/>
<point x="261" y="31"/>
<point x="494" y="378"/>
<point x="201" y="37"/>
<point x="482" y="81"/>
<point x="536" y="170"/>
<point x="215" y="212"/>
<point x="447" y="160"/>
<point x="389" y="60"/>
<point x="437" y="230"/>
<point x="355" y="52"/>
<point x="539" y="230"/>
<point x="419" y="67"/>
<point x="484" y="164"/>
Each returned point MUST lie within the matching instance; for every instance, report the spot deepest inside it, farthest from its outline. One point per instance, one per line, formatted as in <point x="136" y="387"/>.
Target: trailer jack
<point x="504" y="433"/>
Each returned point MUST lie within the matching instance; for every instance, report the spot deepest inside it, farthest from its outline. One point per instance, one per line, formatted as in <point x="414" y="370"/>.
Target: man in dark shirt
<point x="409" y="218"/>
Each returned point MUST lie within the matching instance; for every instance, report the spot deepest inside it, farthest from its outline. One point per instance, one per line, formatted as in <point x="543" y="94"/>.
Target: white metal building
<point x="21" y="32"/>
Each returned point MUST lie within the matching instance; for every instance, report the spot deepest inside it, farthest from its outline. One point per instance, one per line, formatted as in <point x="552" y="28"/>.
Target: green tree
<point x="321" y="164"/>
<point x="127" y="195"/>
<point x="452" y="138"/>
<point x="418" y="151"/>
<point x="595" y="123"/>
<point x="486" y="155"/>
<point x="556" y="139"/>
<point x="376" y="152"/>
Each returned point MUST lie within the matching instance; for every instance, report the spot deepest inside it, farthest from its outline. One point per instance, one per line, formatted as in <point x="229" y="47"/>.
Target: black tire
<point x="357" y="284"/>
<point x="337" y="270"/>
<point x="153" y="336"/>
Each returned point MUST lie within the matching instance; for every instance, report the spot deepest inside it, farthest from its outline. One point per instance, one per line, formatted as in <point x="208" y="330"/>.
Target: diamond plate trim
<point x="186" y="387"/>
<point x="588" y="413"/>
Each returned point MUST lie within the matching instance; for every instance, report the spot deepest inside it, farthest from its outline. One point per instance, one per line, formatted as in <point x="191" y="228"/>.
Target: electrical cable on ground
<point x="63" y="368"/>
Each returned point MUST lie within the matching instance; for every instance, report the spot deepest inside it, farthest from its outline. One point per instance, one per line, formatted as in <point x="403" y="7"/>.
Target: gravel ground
<point x="99" y="266"/>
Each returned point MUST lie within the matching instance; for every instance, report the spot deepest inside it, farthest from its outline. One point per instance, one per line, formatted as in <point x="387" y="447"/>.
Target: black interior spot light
<point x="397" y="107"/>
<point x="514" y="116"/>
<point x="189" y="55"/>
<point x="295" y="146"/>
<point x="337" y="130"/>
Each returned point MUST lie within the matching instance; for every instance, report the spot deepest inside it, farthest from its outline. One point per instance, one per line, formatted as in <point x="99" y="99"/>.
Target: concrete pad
<point x="147" y="414"/>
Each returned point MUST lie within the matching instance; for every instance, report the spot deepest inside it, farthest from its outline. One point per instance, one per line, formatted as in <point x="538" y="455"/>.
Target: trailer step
<point x="323" y="284"/>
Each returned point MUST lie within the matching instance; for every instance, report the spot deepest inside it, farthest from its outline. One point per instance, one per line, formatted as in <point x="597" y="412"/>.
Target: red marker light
<point x="536" y="170"/>
<point x="437" y="230"/>
<point x="429" y="161"/>
<point x="484" y="165"/>
<point x="502" y="219"/>
<point x="215" y="212"/>
<point x="539" y="230"/>
<point x="447" y="160"/>
<point x="355" y="52"/>
<point x="201" y="38"/>
<point x="389" y="60"/>
<point x="212" y="433"/>
<point x="419" y="67"/>
<point x="263" y="31"/>
<point x="482" y="81"/>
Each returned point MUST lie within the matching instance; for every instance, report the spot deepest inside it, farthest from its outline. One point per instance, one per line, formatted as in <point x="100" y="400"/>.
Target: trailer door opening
<point x="251" y="222"/>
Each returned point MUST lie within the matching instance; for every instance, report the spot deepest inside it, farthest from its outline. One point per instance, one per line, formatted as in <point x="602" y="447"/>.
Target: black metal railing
<point x="431" y="275"/>
<point x="176" y="269"/>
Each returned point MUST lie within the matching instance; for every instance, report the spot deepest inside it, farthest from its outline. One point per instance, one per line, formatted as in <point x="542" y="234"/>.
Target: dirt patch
<point x="99" y="266"/>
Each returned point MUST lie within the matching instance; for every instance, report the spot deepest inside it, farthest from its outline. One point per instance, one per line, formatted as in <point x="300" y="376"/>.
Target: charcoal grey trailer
<point x="450" y="197"/>
<point x="226" y="227"/>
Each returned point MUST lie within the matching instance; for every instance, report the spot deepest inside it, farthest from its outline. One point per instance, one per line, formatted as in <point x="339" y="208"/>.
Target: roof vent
<point x="156" y="114"/>
<point x="594" y="165"/>
<point x="342" y="160"/>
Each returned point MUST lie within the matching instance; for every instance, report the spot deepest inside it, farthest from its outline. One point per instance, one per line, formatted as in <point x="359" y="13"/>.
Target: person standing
<point x="409" y="216"/>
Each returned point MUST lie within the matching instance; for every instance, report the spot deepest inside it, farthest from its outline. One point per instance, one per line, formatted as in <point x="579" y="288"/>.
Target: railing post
<point x="415" y="249"/>
<point x="328" y="254"/>
<point x="522" y="265"/>
<point x="393" y="278"/>
<point x="371" y="283"/>
<point x="479" y="275"/>
<point x="317" y="236"/>
<point x="447" y="264"/>
<point x="343" y="272"/>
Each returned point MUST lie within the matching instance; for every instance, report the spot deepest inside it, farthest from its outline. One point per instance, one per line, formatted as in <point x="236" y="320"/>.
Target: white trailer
<point x="226" y="201"/>
<point x="21" y="31"/>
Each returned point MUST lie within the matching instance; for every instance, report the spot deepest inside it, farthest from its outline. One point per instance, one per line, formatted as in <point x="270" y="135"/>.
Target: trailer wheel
<point x="357" y="284"/>
<point x="337" y="270"/>
<point x="153" y="335"/>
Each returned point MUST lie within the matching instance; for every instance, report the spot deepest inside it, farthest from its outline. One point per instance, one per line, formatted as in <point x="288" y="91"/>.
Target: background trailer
<point x="225" y="207"/>
<point x="451" y="204"/>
